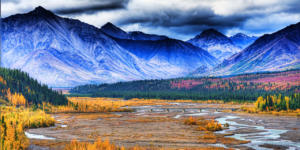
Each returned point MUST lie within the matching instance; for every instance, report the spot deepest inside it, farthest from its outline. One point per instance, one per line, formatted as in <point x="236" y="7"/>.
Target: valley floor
<point x="162" y="125"/>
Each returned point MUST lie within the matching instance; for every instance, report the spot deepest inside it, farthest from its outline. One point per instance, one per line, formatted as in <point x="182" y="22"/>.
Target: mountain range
<point x="63" y="52"/>
<point x="272" y="52"/>
<point x="216" y="43"/>
<point x="242" y="40"/>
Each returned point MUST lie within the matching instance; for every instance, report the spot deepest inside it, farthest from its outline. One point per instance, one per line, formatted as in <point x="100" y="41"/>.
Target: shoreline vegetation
<point x="275" y="105"/>
<point x="100" y="144"/>
<point x="13" y="122"/>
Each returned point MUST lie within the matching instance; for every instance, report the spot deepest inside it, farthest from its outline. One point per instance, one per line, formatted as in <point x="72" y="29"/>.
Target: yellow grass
<point x="2" y="101"/>
<point x="212" y="138"/>
<point x="100" y="104"/>
<point x="208" y="126"/>
<point x="97" y="145"/>
<point x="254" y="110"/>
<point x="87" y="104"/>
<point x="97" y="116"/>
<point x="106" y="145"/>
<point x="188" y="101"/>
<point x="149" y="119"/>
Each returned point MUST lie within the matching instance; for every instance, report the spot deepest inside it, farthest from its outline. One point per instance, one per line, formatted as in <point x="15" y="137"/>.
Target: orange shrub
<point x="213" y="125"/>
<point x="204" y="125"/>
<point x="190" y="121"/>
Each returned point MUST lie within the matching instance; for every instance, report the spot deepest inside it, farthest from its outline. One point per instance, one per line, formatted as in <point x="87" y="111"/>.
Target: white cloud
<point x="230" y="7"/>
<point x="271" y="22"/>
<point x="178" y="18"/>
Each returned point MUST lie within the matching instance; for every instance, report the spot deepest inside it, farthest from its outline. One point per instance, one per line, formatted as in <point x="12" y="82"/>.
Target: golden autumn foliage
<point x="99" y="104"/>
<point x="102" y="104"/>
<point x="203" y="124"/>
<point x="97" y="145"/>
<point x="85" y="104"/>
<point x="276" y="105"/>
<point x="190" y="121"/>
<point x="212" y="125"/>
<point x="13" y="121"/>
<point x="2" y="80"/>
<point x="278" y="102"/>
<point x="106" y="145"/>
<point x="16" y="99"/>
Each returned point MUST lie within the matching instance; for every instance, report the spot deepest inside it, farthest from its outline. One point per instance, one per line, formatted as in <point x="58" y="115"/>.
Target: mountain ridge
<point x="216" y="43"/>
<point x="271" y="52"/>
<point x="242" y="40"/>
<point x="72" y="52"/>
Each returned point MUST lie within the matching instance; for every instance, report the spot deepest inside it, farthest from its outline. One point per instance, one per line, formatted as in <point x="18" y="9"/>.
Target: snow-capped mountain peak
<point x="271" y="52"/>
<point x="62" y="52"/>
<point x="216" y="43"/>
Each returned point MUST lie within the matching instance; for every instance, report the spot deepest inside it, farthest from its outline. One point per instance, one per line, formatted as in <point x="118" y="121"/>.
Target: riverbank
<point x="166" y="129"/>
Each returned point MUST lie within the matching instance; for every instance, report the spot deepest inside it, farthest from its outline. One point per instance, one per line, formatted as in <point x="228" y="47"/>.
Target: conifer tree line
<point x="16" y="81"/>
<point x="239" y="88"/>
<point x="278" y="102"/>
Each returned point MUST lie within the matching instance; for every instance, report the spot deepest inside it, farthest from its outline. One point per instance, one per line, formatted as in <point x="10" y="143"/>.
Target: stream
<point x="266" y="136"/>
<point x="263" y="136"/>
<point x="259" y="130"/>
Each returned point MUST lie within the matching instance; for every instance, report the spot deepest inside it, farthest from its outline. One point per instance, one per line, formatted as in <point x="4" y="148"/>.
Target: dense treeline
<point x="278" y="102"/>
<point x="237" y="88"/>
<point x="17" y="83"/>
<point x="226" y="95"/>
<point x="13" y="121"/>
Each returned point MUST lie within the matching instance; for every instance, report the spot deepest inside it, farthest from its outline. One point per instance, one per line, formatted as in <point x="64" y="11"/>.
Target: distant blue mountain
<point x="242" y="40"/>
<point x="64" y="52"/>
<point x="161" y="50"/>
<point x="271" y="52"/>
<point x="216" y="43"/>
<point x="113" y="31"/>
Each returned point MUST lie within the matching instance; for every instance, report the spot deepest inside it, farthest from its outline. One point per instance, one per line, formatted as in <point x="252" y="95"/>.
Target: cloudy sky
<point x="180" y="19"/>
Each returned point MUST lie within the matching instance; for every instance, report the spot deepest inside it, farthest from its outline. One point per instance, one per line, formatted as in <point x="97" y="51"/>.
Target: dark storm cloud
<point x="252" y="17"/>
<point x="177" y="18"/>
<point x="293" y="7"/>
<point x="186" y="22"/>
<point x="109" y="5"/>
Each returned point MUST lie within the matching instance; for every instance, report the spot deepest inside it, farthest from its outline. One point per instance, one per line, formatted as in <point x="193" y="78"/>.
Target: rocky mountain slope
<point x="63" y="52"/>
<point x="271" y="52"/>
<point x="217" y="44"/>
<point x="242" y="40"/>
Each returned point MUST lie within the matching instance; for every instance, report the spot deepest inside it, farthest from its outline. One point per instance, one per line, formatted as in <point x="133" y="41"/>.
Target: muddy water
<point x="263" y="132"/>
